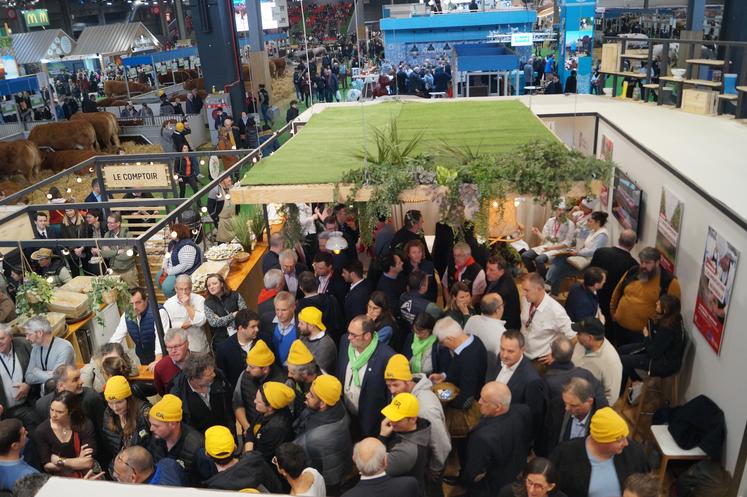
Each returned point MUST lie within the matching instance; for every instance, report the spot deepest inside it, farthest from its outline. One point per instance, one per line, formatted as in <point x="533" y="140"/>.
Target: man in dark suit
<point x="271" y="258"/>
<point x="356" y="300"/>
<point x="15" y="354"/>
<point x="364" y="388"/>
<point x="608" y="441"/>
<point x="369" y="456"/>
<point x="230" y="354"/>
<point x="497" y="448"/>
<point x="349" y="231"/>
<point x="499" y="281"/>
<point x="330" y="280"/>
<point x="616" y="261"/>
<point x="518" y="373"/>
<point x="332" y="315"/>
<point x="292" y="270"/>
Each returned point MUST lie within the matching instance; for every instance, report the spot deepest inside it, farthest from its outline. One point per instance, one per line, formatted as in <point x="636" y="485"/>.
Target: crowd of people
<point x="352" y="382"/>
<point x="322" y="21"/>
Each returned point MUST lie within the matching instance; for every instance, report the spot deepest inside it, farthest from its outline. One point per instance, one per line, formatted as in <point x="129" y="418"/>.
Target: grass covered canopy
<point x="325" y="147"/>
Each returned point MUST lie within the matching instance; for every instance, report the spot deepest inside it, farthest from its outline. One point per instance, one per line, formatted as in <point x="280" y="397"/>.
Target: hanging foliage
<point x="292" y="230"/>
<point x="33" y="295"/>
<point x="464" y="182"/>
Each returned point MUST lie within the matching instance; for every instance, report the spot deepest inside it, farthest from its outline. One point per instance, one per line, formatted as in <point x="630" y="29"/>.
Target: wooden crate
<point x="611" y="57"/>
<point x="699" y="101"/>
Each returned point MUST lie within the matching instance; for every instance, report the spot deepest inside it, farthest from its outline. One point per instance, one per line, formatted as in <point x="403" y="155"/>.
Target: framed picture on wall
<point x="627" y="202"/>
<point x="668" y="229"/>
<point x="714" y="288"/>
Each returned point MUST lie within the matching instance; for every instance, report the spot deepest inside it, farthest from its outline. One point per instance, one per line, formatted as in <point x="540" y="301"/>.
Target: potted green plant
<point x="257" y="225"/>
<point x="109" y="289"/>
<point x="33" y="295"/>
<point x="240" y="228"/>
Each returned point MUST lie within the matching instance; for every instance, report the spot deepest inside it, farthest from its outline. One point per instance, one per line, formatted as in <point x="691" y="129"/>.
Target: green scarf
<point x="356" y="364"/>
<point x="418" y="347"/>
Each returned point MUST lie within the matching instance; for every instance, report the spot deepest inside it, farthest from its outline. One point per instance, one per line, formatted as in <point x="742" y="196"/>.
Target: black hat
<point x="590" y="326"/>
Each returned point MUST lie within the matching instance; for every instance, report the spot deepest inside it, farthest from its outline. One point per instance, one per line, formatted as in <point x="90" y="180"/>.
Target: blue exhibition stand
<point x="576" y="41"/>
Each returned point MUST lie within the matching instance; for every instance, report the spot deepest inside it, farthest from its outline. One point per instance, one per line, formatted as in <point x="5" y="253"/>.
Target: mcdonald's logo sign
<point x="35" y="18"/>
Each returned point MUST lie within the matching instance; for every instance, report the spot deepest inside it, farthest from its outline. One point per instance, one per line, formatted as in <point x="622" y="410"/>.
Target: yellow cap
<point x="219" y="442"/>
<point x="607" y="426"/>
<point x="179" y="127"/>
<point x="278" y="394"/>
<point x="117" y="388"/>
<point x="403" y="405"/>
<point x="398" y="368"/>
<point x="169" y="409"/>
<point x="299" y="354"/>
<point x="328" y="388"/>
<point x="249" y="491"/>
<point x="313" y="316"/>
<point x="260" y="355"/>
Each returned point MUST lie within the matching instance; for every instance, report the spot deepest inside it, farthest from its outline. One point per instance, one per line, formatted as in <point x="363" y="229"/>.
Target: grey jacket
<point x="407" y="453"/>
<point x="325" y="438"/>
<point x="119" y="261"/>
<point x="432" y="410"/>
<point x="22" y="349"/>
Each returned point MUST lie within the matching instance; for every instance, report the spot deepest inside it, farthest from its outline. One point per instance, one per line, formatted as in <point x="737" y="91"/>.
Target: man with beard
<point x="260" y="368"/>
<point x="323" y="431"/>
<point x="313" y="334"/>
<point x="634" y="299"/>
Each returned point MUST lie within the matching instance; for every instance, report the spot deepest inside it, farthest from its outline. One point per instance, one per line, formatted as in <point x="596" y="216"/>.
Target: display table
<point x="144" y="374"/>
<point x="246" y="277"/>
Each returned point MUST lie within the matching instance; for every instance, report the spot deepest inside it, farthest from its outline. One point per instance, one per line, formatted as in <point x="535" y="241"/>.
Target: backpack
<point x="665" y="279"/>
<point x="703" y="479"/>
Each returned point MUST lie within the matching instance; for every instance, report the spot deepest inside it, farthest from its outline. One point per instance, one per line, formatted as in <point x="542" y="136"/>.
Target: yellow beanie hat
<point x="117" y="388"/>
<point x="278" y="394"/>
<point x="169" y="409"/>
<point x="398" y="368"/>
<point x="607" y="426"/>
<point x="219" y="442"/>
<point x="260" y="355"/>
<point x="299" y="354"/>
<point x="313" y="316"/>
<point x="328" y="388"/>
<point x="179" y="127"/>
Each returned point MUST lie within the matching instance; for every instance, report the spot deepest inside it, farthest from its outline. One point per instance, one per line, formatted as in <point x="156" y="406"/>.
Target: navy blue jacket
<point x="230" y="358"/>
<point x="439" y="355"/>
<point x="527" y="388"/>
<point x="356" y="301"/>
<point x="581" y="303"/>
<point x="374" y="393"/>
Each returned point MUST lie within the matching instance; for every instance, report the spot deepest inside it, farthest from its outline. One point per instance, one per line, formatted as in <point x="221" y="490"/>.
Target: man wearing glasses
<point x="177" y="346"/>
<point x="360" y="368"/>
<point x="135" y="465"/>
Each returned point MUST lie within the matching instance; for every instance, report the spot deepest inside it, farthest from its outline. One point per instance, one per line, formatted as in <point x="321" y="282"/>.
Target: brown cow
<point x="180" y="76"/>
<point x="273" y="69"/>
<point x="20" y="157"/>
<point x="114" y="88"/>
<point x="65" y="135"/>
<point x="106" y="126"/>
<point x="198" y="83"/>
<point x="279" y="66"/>
<point x="64" y="159"/>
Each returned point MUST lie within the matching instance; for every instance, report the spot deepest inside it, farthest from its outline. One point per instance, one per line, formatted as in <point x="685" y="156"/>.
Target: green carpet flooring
<point x="324" y="148"/>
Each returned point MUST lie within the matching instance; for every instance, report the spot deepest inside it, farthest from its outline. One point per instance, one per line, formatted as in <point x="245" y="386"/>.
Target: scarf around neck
<point x="467" y="264"/>
<point x="418" y="347"/>
<point x="361" y="360"/>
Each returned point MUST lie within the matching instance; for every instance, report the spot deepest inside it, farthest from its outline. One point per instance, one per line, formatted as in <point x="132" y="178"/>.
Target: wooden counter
<point x="246" y="277"/>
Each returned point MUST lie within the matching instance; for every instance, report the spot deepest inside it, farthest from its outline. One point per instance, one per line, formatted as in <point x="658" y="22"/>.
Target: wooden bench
<point x="725" y="97"/>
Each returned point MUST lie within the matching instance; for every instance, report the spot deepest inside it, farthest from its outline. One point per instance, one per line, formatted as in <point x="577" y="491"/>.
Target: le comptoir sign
<point x="134" y="176"/>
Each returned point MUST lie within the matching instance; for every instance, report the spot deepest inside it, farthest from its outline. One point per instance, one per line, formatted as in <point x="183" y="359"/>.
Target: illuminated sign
<point x="36" y="18"/>
<point x="522" y="39"/>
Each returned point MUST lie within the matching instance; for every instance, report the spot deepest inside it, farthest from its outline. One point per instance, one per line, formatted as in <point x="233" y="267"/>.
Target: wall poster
<point x="668" y="229"/>
<point x="714" y="288"/>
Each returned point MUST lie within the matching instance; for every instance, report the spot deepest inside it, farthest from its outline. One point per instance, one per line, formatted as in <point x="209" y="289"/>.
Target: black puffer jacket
<point x="111" y="437"/>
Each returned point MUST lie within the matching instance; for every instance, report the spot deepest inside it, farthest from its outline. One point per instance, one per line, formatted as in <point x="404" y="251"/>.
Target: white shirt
<point x="489" y="331"/>
<point x="323" y="283"/>
<point x="353" y="285"/>
<point x="11" y="376"/>
<point x="548" y="322"/>
<point x="318" y="488"/>
<point x="121" y="332"/>
<point x="353" y="392"/>
<point x="306" y="218"/>
<point x="506" y="373"/>
<point x="178" y="315"/>
<point x="291" y="282"/>
<point x="556" y="232"/>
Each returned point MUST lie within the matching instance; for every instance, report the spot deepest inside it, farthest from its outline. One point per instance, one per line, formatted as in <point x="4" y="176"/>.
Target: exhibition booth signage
<point x="137" y="176"/>
<point x="577" y="42"/>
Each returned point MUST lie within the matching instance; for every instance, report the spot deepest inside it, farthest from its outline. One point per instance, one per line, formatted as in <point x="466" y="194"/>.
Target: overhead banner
<point x="715" y="287"/>
<point x="576" y="42"/>
<point x="668" y="229"/>
<point x="137" y="176"/>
